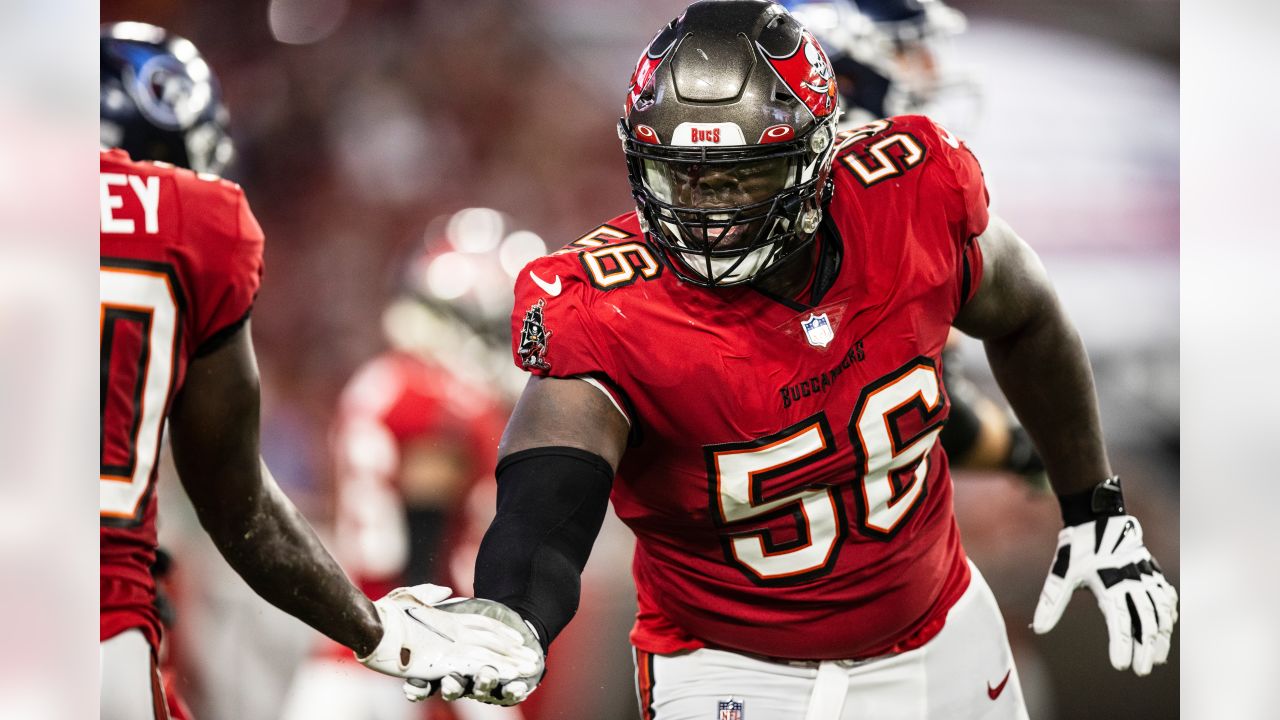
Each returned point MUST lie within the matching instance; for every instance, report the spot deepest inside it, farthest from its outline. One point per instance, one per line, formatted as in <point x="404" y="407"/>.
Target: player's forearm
<point x="551" y="504"/>
<point x="1044" y="372"/>
<point x="275" y="550"/>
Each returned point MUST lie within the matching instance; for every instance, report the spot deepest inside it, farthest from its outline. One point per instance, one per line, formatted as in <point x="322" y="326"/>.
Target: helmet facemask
<point x="725" y="216"/>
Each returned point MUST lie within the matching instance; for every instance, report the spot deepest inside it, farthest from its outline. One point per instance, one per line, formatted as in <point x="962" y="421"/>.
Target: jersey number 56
<point x="889" y="484"/>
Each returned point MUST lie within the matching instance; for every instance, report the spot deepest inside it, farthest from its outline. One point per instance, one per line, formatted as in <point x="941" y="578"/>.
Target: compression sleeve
<point x="551" y="504"/>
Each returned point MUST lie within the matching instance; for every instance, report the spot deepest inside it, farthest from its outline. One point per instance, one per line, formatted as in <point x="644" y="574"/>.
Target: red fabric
<point x="393" y="402"/>
<point x="701" y="368"/>
<point x="177" y="707"/>
<point x="207" y="243"/>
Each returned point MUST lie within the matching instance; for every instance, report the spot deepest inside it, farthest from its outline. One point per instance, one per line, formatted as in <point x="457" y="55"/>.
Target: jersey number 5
<point x="888" y="157"/>
<point x="891" y="468"/>
<point x="137" y="336"/>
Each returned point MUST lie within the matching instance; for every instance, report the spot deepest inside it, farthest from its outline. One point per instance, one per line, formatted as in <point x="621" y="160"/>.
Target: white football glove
<point x="486" y="686"/>
<point x="421" y="641"/>
<point x="1140" y="606"/>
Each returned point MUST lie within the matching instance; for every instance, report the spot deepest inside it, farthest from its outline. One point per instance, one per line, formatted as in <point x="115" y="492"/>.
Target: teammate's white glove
<point x="421" y="641"/>
<point x="1140" y="606"/>
<point x="486" y="687"/>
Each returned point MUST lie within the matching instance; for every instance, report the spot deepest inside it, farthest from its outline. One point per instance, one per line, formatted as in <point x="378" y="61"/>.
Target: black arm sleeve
<point x="551" y="503"/>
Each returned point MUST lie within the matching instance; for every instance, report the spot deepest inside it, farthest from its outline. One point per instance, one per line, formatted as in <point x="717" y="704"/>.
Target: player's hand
<point x="1140" y="606"/>
<point x="419" y="640"/>
<point x="485" y="686"/>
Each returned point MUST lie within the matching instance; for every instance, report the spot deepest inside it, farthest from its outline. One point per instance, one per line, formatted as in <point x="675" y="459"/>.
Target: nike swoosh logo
<point x="1127" y="527"/>
<point x="994" y="692"/>
<point x="948" y="138"/>
<point x="551" y="288"/>
<point x="427" y="625"/>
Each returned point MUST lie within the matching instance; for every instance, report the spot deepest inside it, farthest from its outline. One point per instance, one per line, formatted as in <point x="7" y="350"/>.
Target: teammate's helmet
<point x="728" y="131"/>
<point x="159" y="100"/>
<point x="453" y="301"/>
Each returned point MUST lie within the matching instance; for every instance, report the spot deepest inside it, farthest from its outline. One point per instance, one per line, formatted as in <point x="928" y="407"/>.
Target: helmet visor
<point x="700" y="186"/>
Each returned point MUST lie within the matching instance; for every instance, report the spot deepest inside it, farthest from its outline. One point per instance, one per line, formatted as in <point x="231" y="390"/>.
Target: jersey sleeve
<point x="958" y="181"/>
<point x="230" y="266"/>
<point x="554" y="327"/>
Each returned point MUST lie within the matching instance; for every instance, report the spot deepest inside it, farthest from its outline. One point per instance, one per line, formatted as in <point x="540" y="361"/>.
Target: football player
<point x="749" y="365"/>
<point x="181" y="260"/>
<point x="415" y="438"/>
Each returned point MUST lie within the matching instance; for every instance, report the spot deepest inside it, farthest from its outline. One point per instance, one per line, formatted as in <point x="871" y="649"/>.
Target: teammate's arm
<point x="214" y="432"/>
<point x="1040" y="363"/>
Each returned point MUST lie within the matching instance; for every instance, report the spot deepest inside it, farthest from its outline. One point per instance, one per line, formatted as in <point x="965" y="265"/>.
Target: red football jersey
<point x="394" y="402"/>
<point x="784" y="481"/>
<point x="181" y="261"/>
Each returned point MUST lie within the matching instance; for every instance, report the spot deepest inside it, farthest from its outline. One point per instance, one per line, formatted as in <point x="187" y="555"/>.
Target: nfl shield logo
<point x="730" y="710"/>
<point x="817" y="328"/>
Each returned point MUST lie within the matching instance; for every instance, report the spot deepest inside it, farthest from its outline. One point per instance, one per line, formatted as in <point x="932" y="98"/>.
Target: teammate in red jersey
<point x="181" y="261"/>
<point x="755" y="354"/>
<point x="414" y="442"/>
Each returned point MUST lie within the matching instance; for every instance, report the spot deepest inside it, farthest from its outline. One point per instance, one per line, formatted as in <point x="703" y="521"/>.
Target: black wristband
<point x="1105" y="499"/>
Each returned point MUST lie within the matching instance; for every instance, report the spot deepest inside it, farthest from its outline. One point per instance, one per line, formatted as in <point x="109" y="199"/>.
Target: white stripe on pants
<point x="952" y="677"/>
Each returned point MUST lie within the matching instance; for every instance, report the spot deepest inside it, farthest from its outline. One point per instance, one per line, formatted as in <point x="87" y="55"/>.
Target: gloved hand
<point x="1140" y="606"/>
<point x="486" y="687"/>
<point x="419" y="640"/>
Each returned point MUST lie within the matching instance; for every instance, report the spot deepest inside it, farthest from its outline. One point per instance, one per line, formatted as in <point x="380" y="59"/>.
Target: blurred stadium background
<point x="358" y="122"/>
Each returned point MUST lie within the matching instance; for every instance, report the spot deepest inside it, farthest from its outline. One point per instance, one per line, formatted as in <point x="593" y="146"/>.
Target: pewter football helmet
<point x="729" y="131"/>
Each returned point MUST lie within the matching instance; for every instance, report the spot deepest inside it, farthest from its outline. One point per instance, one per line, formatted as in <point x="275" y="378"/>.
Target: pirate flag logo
<point x="533" y="338"/>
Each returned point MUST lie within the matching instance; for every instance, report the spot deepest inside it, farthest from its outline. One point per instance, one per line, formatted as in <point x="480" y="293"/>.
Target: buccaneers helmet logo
<point x="807" y="73"/>
<point x="646" y="66"/>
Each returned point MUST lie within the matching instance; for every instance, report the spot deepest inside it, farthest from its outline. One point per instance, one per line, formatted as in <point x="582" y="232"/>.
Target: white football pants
<point x="964" y="673"/>
<point x="131" y="687"/>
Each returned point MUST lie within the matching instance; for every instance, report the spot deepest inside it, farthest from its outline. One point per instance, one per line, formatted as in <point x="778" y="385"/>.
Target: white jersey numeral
<point x="891" y="470"/>
<point x="145" y="298"/>
<point x="739" y="472"/>
<point x="893" y="467"/>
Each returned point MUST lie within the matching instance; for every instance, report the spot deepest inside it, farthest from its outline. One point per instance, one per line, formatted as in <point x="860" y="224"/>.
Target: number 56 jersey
<point x="180" y="264"/>
<point x="784" y="480"/>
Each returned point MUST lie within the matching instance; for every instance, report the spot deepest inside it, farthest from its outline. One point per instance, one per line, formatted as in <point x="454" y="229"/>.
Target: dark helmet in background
<point x="160" y="101"/>
<point x="729" y="131"/>
<point x="894" y="58"/>
<point x="454" y="295"/>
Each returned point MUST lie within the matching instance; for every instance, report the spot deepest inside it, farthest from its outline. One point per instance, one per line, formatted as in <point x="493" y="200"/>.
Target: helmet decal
<point x="166" y="94"/>
<point x="644" y="133"/>
<point x="777" y="133"/>
<point x="807" y="73"/>
<point x="691" y="134"/>
<point x="647" y="65"/>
